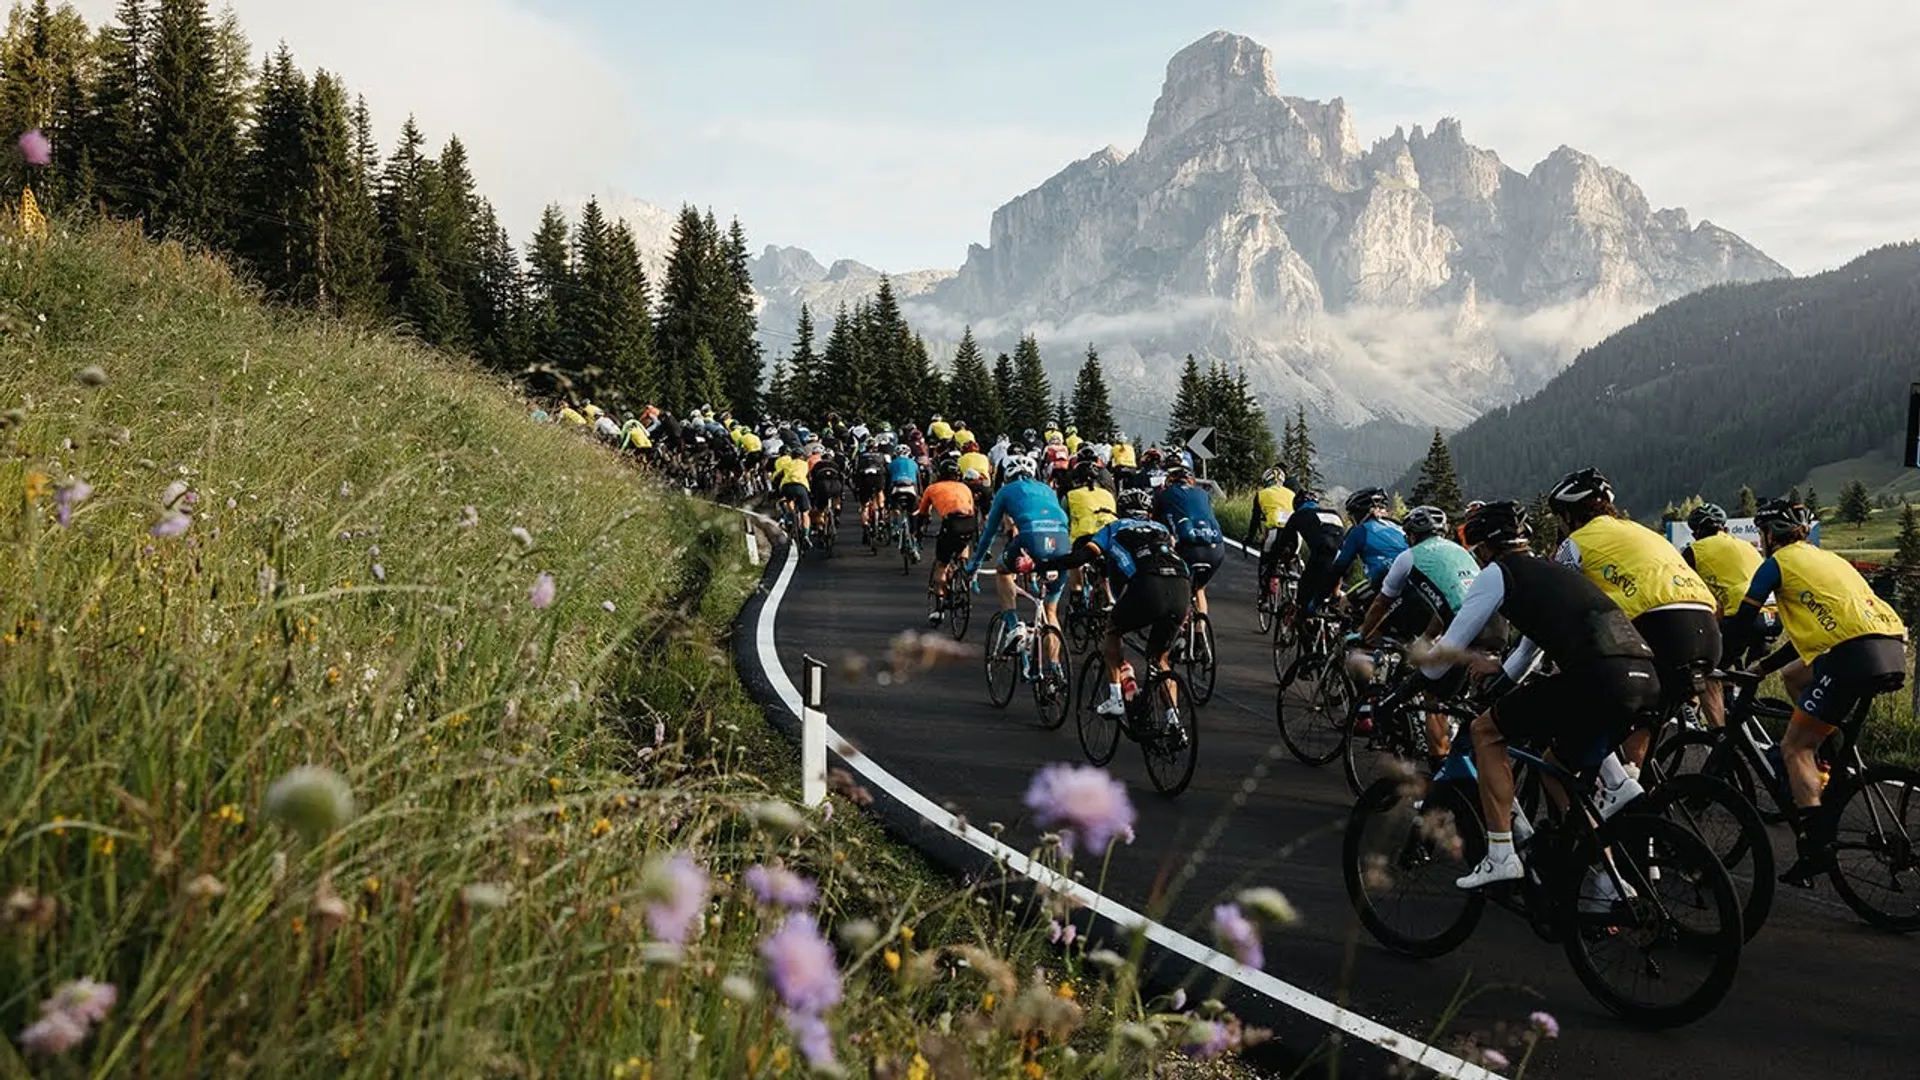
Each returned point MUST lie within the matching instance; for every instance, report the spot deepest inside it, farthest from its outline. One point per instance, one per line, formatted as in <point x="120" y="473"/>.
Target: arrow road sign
<point x="1202" y="444"/>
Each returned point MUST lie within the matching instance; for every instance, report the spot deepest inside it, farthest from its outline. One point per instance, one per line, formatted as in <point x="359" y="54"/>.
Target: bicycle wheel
<point x="1405" y="845"/>
<point x="1171" y="742"/>
<point x="1099" y="735"/>
<point x="1199" y="658"/>
<point x="1666" y="954"/>
<point x="1730" y="826"/>
<point x="1708" y="753"/>
<point x="1052" y="686"/>
<point x="1286" y="641"/>
<point x="1393" y="750"/>
<point x="1263" y="606"/>
<point x="1311" y="709"/>
<point x="959" y="608"/>
<point x="1875" y="869"/>
<point x="1003" y="666"/>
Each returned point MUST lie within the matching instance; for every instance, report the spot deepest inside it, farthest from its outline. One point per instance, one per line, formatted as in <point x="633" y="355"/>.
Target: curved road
<point x="1818" y="992"/>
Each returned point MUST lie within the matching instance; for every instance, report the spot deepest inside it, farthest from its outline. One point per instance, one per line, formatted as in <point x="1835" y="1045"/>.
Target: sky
<point x="889" y="130"/>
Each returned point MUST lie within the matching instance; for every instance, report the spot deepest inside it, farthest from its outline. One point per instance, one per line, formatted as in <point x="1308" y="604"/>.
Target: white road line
<point x="874" y="774"/>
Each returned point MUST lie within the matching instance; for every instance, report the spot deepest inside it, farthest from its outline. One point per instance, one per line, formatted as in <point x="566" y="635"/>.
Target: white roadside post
<point x="813" y="736"/>
<point x="753" y="542"/>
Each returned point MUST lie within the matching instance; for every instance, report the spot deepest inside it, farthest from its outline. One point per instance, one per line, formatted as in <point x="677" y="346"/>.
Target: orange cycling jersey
<point x="947" y="497"/>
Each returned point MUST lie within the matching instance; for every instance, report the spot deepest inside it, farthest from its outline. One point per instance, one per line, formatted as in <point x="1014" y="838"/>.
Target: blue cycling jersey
<point x="1187" y="512"/>
<point x="1035" y="512"/>
<point x="1376" y="542"/>
<point x="903" y="470"/>
<point x="1131" y="547"/>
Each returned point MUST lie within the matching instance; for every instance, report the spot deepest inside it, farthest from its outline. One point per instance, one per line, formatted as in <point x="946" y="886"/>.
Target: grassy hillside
<point x="235" y="545"/>
<point x="1756" y="384"/>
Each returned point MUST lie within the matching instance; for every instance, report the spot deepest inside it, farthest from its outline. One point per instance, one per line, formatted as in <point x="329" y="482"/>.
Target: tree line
<point x="163" y="117"/>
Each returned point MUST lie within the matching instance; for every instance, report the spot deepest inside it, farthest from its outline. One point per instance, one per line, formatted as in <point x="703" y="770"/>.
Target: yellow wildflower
<point x="372" y="884"/>
<point x="299" y="926"/>
<point x="231" y="815"/>
<point x="919" y="1069"/>
<point x="892" y="958"/>
<point x="602" y="827"/>
<point x="781" y="1059"/>
<point x="57" y="819"/>
<point x="1065" y="992"/>
<point x="1032" y="1069"/>
<point x="38" y="484"/>
<point x="554" y="783"/>
<point x="987" y="1001"/>
<point x="333" y="675"/>
<point x="103" y="844"/>
<point x="906" y="934"/>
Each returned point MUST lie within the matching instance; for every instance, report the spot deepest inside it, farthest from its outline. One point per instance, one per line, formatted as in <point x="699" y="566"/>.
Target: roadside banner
<point x="1681" y="537"/>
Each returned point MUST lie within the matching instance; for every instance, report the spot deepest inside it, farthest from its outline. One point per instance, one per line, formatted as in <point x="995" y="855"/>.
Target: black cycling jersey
<point x="1320" y="529"/>
<point x="1565" y="614"/>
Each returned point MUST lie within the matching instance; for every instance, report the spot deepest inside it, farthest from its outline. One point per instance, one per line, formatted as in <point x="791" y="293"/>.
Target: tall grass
<point x="355" y="589"/>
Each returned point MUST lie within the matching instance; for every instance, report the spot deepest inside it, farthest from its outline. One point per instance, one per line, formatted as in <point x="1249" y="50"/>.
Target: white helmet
<point x="1018" y="467"/>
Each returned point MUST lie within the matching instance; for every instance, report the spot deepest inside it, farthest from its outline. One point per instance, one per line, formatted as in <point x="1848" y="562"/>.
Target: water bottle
<point x="1128" y="687"/>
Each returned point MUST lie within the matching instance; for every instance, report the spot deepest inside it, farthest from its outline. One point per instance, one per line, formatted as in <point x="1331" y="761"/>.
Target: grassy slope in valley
<point x="334" y="601"/>
<point x="1755" y="384"/>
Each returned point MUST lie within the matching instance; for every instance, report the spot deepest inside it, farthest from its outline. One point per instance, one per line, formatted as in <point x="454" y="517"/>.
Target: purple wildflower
<point x="171" y="523"/>
<point x="1545" y="1024"/>
<point x="379" y="573"/>
<point x="84" y="999"/>
<point x="53" y="1034"/>
<point x="811" y="1035"/>
<point x="800" y="964"/>
<point x="35" y="148"/>
<point x="71" y="494"/>
<point x="66" y="1017"/>
<point x="1062" y="933"/>
<point x="776" y="886"/>
<point x="541" y="595"/>
<point x="1237" y="936"/>
<point x="1084" y="803"/>
<point x="1206" y="1039"/>
<point x="677" y="890"/>
<point x="1494" y="1059"/>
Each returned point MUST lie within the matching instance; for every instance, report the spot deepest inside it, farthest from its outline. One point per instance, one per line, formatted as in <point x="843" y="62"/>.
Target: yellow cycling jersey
<point x="636" y="437"/>
<point x="750" y="443"/>
<point x="962" y="437"/>
<point x="790" y="471"/>
<point x="1089" y="509"/>
<point x="569" y="416"/>
<point x="1073" y="444"/>
<point x="976" y="462"/>
<point x="1050" y="435"/>
<point x="1636" y="567"/>
<point x="1123" y="455"/>
<point x="940" y="431"/>
<point x="1273" y="505"/>
<point x="1824" y="601"/>
<point x="1726" y="564"/>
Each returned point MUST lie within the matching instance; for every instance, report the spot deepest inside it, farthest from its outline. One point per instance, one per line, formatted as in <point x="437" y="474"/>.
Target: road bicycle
<point x="1274" y="597"/>
<point x="1193" y="650"/>
<point x="1316" y="697"/>
<point x="956" y="607"/>
<point x="1163" y="716"/>
<point x="1867" y="817"/>
<point x="905" y="537"/>
<point x="1286" y="620"/>
<point x="1033" y="651"/>
<point x="827" y="535"/>
<point x="1648" y="917"/>
<point x="1087" y="610"/>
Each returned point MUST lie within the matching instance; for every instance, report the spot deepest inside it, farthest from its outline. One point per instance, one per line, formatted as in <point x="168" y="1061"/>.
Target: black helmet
<point x="1577" y="487"/>
<point x="1425" y="521"/>
<point x="1083" y="475"/>
<point x="1499" y="523"/>
<point x="1780" y="519"/>
<point x="1707" y="519"/>
<point x="1179" y="472"/>
<point x="1087" y="455"/>
<point x="1134" y="503"/>
<point x="948" y="469"/>
<point x="1364" y="502"/>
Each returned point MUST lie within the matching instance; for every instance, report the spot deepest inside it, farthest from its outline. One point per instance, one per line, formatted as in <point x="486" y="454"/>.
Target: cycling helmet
<point x="936" y="419"/>
<point x="973" y="476"/>
<point x="949" y="469"/>
<point x="1087" y="455"/>
<point x="1134" y="503"/>
<point x="796" y="451"/>
<point x="1475" y="505"/>
<point x="1029" y="436"/>
<point x="1275" y="475"/>
<point x="1017" y="467"/>
<point x="1071" y="430"/>
<point x="1083" y="475"/>
<point x="902" y="451"/>
<point x="1781" y="520"/>
<point x="1179" y="472"/>
<point x="1707" y="519"/>
<point x="1151" y="458"/>
<point x="1425" y="521"/>
<point x="1307" y="498"/>
<point x="1364" y="502"/>
<point x="1503" y="524"/>
<point x="972" y="447"/>
<point x="1577" y="487"/>
<point x="1054" y="438"/>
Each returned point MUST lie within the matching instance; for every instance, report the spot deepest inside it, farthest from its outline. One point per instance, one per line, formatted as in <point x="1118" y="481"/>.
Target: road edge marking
<point x="1269" y="986"/>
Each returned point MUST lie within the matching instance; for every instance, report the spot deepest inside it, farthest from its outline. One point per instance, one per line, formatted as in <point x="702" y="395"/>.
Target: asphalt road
<point x="1818" y="992"/>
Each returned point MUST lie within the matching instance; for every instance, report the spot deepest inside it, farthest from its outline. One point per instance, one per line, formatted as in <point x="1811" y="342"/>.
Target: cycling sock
<point x="1500" y="845"/>
<point x="1114" y="692"/>
<point x="1612" y="772"/>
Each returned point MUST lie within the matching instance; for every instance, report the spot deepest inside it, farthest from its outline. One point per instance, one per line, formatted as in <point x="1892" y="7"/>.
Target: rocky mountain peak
<point x="786" y="266"/>
<point x="1221" y="72"/>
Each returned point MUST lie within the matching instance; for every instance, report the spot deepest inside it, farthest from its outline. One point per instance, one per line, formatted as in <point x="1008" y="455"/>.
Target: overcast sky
<point x="889" y="130"/>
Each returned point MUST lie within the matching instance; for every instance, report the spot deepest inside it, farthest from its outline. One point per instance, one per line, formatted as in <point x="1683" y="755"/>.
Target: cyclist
<point x="1604" y="679"/>
<point x="1272" y="505"/>
<point x="1843" y="644"/>
<point x="1073" y="439"/>
<point x="1419" y="597"/>
<point x="948" y="497"/>
<point x="1151" y="580"/>
<point x="826" y="482"/>
<point x="1122" y="452"/>
<point x="1671" y="608"/>
<point x="1187" y="512"/>
<point x="1726" y="563"/>
<point x="869" y="484"/>
<point x="962" y="434"/>
<point x="790" y="480"/>
<point x="1039" y="531"/>
<point x="1319" y="530"/>
<point x="1374" y="540"/>
<point x="938" y="430"/>
<point x="903" y="489"/>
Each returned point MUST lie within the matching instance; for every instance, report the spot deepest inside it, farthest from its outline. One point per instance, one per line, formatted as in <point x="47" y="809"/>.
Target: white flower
<point x="313" y="800"/>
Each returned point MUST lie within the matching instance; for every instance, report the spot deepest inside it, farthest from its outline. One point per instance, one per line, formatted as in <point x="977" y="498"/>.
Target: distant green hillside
<point x="1771" y="384"/>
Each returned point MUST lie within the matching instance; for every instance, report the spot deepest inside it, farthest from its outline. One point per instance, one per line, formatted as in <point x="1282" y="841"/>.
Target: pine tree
<point x="115" y="133"/>
<point x="613" y="332"/>
<point x="1748" y="505"/>
<point x="1303" y="469"/>
<point x="275" y="231"/>
<point x="804" y="381"/>
<point x="1856" y="504"/>
<point x="708" y="386"/>
<point x="1032" y="394"/>
<point x="193" y="135"/>
<point x="343" y="245"/>
<point x="550" y="298"/>
<point x="685" y="298"/>
<point x="841" y="364"/>
<point x="41" y="62"/>
<point x="970" y="392"/>
<point x="1813" y="501"/>
<point x="735" y="332"/>
<point x="1793" y="496"/>
<point x="1189" y="403"/>
<point x="1003" y="396"/>
<point x="1438" y="485"/>
<point x="779" y="397"/>
<point x="1062" y="413"/>
<point x="1092" y="408"/>
<point x="1547" y="532"/>
<point x="498" y="306"/>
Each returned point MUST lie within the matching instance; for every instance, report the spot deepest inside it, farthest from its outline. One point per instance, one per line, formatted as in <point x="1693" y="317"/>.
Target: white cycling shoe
<point x="1492" y="870"/>
<point x="1598" y="893"/>
<point x="1112" y="706"/>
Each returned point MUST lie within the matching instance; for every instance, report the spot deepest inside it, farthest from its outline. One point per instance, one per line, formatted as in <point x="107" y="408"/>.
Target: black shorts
<point x="903" y="497"/>
<point x="1155" y="604"/>
<point x="957" y="531"/>
<point x="1854" y="669"/>
<point x="868" y="484"/>
<point x="1686" y="646"/>
<point x="1203" y="560"/>
<point x="1317" y="579"/>
<point x="1407" y="618"/>
<point x="826" y="489"/>
<point x="797" y="494"/>
<point x="1585" y="712"/>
